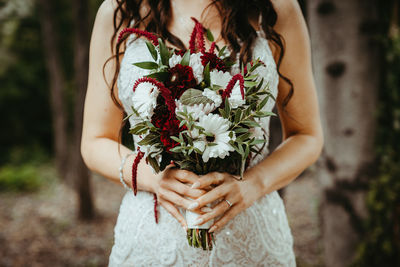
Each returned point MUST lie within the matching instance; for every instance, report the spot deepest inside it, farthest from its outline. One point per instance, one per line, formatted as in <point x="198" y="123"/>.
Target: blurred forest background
<point x="344" y="210"/>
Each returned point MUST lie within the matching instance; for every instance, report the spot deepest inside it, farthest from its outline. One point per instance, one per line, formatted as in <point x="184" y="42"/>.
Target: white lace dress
<point x="258" y="236"/>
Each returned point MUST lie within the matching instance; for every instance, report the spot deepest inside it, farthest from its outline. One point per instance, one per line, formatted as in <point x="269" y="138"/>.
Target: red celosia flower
<point x="228" y="90"/>
<point x="151" y="37"/>
<point x="135" y="165"/>
<point x="180" y="79"/>
<point x="214" y="60"/>
<point x="161" y="114"/>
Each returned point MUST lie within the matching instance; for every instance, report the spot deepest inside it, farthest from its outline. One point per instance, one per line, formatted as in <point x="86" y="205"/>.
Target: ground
<point x="40" y="229"/>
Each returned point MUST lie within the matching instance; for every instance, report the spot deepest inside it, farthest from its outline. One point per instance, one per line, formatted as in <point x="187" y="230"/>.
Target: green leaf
<point x="161" y="76"/>
<point x="212" y="144"/>
<point x="241" y="130"/>
<point x="250" y="84"/>
<point x="210" y="36"/>
<point x="207" y="79"/>
<point x="176" y="139"/>
<point x="246" y="152"/>
<point x="257" y="142"/>
<point x="164" y="53"/>
<point x="222" y="51"/>
<point x="147" y="65"/>
<point x="186" y="59"/>
<point x="154" y="164"/>
<point x="227" y="108"/>
<point x="238" y="115"/>
<point x="194" y="96"/>
<point x="263" y="103"/>
<point x="152" y="50"/>
<point x="251" y="123"/>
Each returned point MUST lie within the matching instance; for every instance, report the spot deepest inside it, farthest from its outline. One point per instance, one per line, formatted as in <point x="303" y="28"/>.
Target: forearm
<point x="102" y="156"/>
<point x="288" y="161"/>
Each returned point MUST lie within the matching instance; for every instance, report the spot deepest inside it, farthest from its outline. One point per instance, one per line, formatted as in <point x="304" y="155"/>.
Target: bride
<point x="250" y="226"/>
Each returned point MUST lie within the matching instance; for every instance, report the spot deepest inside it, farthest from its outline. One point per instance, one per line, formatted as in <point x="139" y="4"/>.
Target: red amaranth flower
<point x="151" y="37"/>
<point x="155" y="207"/>
<point x="165" y="92"/>
<point x="180" y="79"/>
<point x="228" y="90"/>
<point x="212" y="48"/>
<point x="214" y="60"/>
<point x="197" y="37"/>
<point x="135" y="164"/>
<point x="180" y="52"/>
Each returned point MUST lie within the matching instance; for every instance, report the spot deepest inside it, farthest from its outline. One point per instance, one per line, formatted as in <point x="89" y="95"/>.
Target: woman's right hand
<point x="173" y="187"/>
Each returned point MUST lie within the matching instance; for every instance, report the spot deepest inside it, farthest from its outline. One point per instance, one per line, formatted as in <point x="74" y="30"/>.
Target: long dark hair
<point x="236" y="26"/>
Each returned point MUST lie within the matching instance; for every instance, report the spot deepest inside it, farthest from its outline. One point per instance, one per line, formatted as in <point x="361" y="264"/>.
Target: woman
<point x="251" y="227"/>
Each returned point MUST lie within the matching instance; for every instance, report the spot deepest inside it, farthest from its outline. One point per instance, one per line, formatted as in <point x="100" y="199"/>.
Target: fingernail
<point x="193" y="206"/>
<point x="199" y="221"/>
<point x="212" y="229"/>
<point x="206" y="209"/>
<point x="195" y="185"/>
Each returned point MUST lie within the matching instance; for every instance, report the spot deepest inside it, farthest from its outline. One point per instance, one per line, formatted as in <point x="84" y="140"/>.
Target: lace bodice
<point x="258" y="236"/>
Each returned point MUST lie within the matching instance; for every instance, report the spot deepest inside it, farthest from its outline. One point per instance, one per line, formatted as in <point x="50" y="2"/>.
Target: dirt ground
<point x="40" y="229"/>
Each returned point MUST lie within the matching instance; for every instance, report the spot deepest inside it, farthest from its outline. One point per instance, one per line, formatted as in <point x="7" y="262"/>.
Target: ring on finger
<point x="229" y="203"/>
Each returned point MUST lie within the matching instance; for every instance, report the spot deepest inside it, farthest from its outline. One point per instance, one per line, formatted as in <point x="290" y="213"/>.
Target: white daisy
<point x="196" y="110"/>
<point x="219" y="128"/>
<point x="213" y="96"/>
<point x="144" y="99"/>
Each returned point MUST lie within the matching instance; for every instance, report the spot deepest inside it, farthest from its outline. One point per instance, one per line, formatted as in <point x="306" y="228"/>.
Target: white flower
<point x="197" y="66"/>
<point x="174" y="60"/>
<point x="235" y="99"/>
<point x="219" y="128"/>
<point x="196" y="110"/>
<point x="220" y="78"/>
<point x="213" y="96"/>
<point x="144" y="99"/>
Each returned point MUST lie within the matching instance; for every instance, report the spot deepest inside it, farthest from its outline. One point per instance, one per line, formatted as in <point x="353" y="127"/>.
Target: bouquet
<point x="190" y="110"/>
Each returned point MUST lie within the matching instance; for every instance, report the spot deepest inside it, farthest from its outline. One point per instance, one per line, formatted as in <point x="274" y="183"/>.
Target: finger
<point x="176" y="199"/>
<point x="229" y="215"/>
<point x="185" y="176"/>
<point x="211" y="196"/>
<point x="218" y="210"/>
<point x="183" y="189"/>
<point x="174" y="212"/>
<point x="212" y="178"/>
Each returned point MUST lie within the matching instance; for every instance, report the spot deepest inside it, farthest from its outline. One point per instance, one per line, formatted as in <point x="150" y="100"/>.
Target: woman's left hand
<point x="235" y="195"/>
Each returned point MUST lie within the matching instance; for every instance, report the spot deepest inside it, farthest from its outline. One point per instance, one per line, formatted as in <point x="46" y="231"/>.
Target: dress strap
<point x="260" y="32"/>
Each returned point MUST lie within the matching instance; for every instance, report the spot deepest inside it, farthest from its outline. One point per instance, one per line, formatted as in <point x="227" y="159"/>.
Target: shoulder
<point x="290" y="22"/>
<point x="105" y="13"/>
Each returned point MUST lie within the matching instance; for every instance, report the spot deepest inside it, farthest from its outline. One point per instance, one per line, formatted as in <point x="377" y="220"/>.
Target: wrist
<point x="258" y="178"/>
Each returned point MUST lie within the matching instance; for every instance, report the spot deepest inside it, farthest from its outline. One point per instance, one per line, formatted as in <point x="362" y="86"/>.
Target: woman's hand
<point x="235" y="196"/>
<point x="172" y="188"/>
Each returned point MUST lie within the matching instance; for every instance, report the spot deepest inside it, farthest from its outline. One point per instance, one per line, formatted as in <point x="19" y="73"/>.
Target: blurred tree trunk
<point x="80" y="173"/>
<point x="346" y="65"/>
<point x="57" y="82"/>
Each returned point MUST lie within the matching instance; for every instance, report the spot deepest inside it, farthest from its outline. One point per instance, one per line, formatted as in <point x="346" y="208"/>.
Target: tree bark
<point x="346" y="67"/>
<point x="57" y="82"/>
<point x="80" y="172"/>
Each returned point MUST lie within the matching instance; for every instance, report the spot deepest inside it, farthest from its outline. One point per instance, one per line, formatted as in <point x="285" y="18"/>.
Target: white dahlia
<point x="174" y="60"/>
<point x="235" y="99"/>
<point x="220" y="78"/>
<point x="196" y="110"/>
<point x="213" y="96"/>
<point x="144" y="99"/>
<point x="219" y="128"/>
<point x="197" y="66"/>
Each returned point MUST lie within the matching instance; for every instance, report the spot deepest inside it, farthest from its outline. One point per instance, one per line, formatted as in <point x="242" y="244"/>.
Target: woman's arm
<point x="102" y="122"/>
<point x="302" y="132"/>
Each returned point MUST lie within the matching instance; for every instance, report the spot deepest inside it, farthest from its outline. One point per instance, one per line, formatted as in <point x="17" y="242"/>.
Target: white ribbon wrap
<point x="191" y="218"/>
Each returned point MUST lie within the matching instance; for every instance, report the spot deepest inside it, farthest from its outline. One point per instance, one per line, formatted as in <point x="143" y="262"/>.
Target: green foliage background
<point x="380" y="245"/>
<point x="26" y="121"/>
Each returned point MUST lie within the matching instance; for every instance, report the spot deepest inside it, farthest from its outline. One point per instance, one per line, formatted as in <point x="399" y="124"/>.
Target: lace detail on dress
<point x="258" y="236"/>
